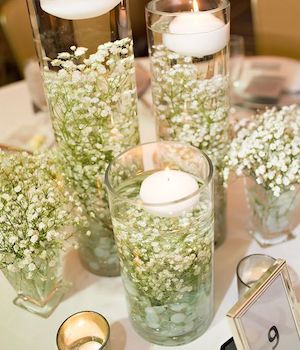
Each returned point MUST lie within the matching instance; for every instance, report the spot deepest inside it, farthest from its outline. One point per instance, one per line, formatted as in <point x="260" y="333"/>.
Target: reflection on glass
<point x="250" y="269"/>
<point x="237" y="54"/>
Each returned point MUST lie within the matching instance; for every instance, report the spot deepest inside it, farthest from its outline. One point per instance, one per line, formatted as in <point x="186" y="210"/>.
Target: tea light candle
<point x="85" y="330"/>
<point x="196" y="34"/>
<point x="250" y="269"/>
<point x="160" y="189"/>
<point x="78" y="9"/>
<point x="91" y="345"/>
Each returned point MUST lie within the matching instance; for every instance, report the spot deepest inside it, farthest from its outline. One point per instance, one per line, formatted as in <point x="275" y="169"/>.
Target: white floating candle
<point x="91" y="345"/>
<point x="168" y="186"/>
<point x="78" y="9"/>
<point x="196" y="34"/>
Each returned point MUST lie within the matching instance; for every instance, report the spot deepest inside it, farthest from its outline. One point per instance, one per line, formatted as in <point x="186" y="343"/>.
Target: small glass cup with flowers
<point x="36" y="215"/>
<point x="266" y="149"/>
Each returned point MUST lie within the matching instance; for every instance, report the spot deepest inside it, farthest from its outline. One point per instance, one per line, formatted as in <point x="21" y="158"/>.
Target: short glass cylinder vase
<point x="188" y="43"/>
<point x="271" y="219"/>
<point x="86" y="55"/>
<point x="39" y="291"/>
<point x="161" y="201"/>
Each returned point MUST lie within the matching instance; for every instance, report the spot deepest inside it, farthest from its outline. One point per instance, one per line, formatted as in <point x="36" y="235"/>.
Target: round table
<point x="22" y="330"/>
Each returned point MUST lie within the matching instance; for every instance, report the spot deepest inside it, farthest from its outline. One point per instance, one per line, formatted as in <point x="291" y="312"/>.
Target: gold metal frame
<point x="12" y="149"/>
<point x="234" y="316"/>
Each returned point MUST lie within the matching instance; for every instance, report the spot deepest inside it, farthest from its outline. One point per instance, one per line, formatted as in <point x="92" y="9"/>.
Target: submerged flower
<point x="191" y="108"/>
<point x="86" y="97"/>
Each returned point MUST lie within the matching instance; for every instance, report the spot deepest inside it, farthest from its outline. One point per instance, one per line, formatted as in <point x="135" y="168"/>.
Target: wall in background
<point x="8" y="68"/>
<point x="242" y="24"/>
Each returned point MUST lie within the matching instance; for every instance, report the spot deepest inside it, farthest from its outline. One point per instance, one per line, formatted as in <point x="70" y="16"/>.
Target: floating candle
<point x="159" y="191"/>
<point x="78" y="9"/>
<point x="196" y="34"/>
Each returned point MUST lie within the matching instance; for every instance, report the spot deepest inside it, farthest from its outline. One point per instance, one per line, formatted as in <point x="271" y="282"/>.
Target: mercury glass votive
<point x="188" y="45"/>
<point x="250" y="269"/>
<point x="161" y="202"/>
<point x="86" y="330"/>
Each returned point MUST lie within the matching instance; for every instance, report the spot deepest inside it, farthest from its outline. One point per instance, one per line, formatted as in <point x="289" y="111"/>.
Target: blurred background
<point x="16" y="45"/>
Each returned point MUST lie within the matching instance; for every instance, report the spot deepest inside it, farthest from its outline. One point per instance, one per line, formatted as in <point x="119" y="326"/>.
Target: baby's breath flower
<point x="31" y="267"/>
<point x="80" y="51"/>
<point x="93" y="103"/>
<point x="34" y="239"/>
<point x="268" y="149"/>
<point x="27" y="211"/>
<point x="64" y="55"/>
<point x="190" y="107"/>
<point x="91" y="97"/>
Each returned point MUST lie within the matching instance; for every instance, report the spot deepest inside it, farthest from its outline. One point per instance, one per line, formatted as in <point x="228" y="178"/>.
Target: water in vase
<point x="191" y="91"/>
<point x="87" y="61"/>
<point x="166" y="265"/>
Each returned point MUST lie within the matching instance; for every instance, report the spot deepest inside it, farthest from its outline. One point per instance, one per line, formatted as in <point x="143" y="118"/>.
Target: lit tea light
<point x="78" y="9"/>
<point x="86" y="330"/>
<point x="197" y="33"/>
<point x="91" y="345"/>
<point x="250" y="269"/>
<point x="165" y="193"/>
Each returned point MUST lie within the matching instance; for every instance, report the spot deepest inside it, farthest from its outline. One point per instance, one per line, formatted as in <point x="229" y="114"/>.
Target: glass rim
<point x="149" y="9"/>
<point x="247" y="257"/>
<point x="206" y="181"/>
<point x="106" y="340"/>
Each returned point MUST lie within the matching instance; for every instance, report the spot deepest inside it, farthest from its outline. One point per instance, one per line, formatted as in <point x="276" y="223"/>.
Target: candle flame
<point x="167" y="170"/>
<point x="195" y="6"/>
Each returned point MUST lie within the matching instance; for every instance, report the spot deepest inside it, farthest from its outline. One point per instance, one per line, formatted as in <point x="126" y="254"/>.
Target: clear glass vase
<point x="165" y="250"/>
<point x="188" y="44"/>
<point x="41" y="291"/>
<point x="220" y="198"/>
<point x="86" y="56"/>
<point x="271" y="219"/>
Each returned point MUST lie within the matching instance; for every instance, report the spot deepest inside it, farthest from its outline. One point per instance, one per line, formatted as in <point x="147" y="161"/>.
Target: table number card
<point x="265" y="318"/>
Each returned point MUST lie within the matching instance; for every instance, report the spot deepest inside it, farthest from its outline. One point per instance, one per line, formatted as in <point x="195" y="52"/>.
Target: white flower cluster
<point x="166" y="265"/>
<point x="161" y="265"/>
<point x="268" y="149"/>
<point x="93" y="106"/>
<point x="190" y="106"/>
<point x="35" y="212"/>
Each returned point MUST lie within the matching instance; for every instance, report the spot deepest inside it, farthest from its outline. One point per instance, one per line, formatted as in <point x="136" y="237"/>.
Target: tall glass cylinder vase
<point x="161" y="201"/>
<point x="188" y="43"/>
<point x="86" y="57"/>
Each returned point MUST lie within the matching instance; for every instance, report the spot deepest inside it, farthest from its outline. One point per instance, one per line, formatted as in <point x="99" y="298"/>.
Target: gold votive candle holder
<point x="85" y="330"/>
<point x="250" y="269"/>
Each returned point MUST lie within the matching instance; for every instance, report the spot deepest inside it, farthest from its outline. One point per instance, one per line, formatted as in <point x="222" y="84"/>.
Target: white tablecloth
<point x="20" y="330"/>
